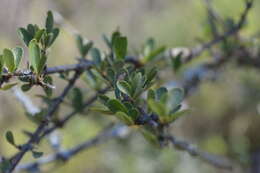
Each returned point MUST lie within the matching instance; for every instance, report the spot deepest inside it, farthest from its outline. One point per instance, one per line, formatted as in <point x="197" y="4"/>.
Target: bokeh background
<point x="225" y="116"/>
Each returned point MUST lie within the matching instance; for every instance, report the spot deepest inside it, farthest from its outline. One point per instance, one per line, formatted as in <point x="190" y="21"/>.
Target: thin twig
<point x="65" y="155"/>
<point x="63" y="121"/>
<point x="35" y="136"/>
<point x="189" y="54"/>
<point x="214" y="160"/>
<point x="122" y="131"/>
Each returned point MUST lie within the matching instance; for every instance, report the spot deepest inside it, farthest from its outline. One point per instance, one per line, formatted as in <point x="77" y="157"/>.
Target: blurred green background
<point x="225" y="114"/>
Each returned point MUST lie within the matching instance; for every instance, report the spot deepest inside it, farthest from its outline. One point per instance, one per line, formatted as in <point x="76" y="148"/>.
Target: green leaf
<point x="37" y="154"/>
<point x="38" y="117"/>
<point x="41" y="64"/>
<point x="83" y="47"/>
<point x="18" y="54"/>
<point x="26" y="87"/>
<point x="31" y="29"/>
<point x="154" y="54"/>
<point x="115" y="106"/>
<point x="8" y="86"/>
<point x="1" y="64"/>
<point x="114" y="36"/>
<point x="101" y="110"/>
<point x="9" y="60"/>
<point x="39" y="34"/>
<point x="151" y="94"/>
<point x="125" y="87"/>
<point x="176" y="62"/>
<point x="137" y="83"/>
<point x="34" y="55"/>
<point x="96" y="56"/>
<point x="87" y="47"/>
<point x="150" y="76"/>
<point x="157" y="107"/>
<point x="5" y="165"/>
<point x="77" y="99"/>
<point x="161" y="94"/>
<point x="133" y="113"/>
<point x="55" y="34"/>
<point x="49" y="22"/>
<point x="25" y="36"/>
<point x="104" y="99"/>
<point x="111" y="74"/>
<point x="150" y="137"/>
<point x="48" y="90"/>
<point x="149" y="46"/>
<point x="176" y="115"/>
<point x="125" y="118"/>
<point x="175" y="98"/>
<point x="79" y="42"/>
<point x="120" y="47"/>
<point x="10" y="138"/>
<point x="107" y="41"/>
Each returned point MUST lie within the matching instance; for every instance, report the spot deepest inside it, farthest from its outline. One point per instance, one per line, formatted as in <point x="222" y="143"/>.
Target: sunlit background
<point x="225" y="116"/>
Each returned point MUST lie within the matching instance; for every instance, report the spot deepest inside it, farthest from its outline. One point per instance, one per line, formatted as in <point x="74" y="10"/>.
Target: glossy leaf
<point x="107" y="41"/>
<point x="101" y="110"/>
<point x="5" y="165"/>
<point x="96" y="56"/>
<point x="133" y="113"/>
<point x="79" y="42"/>
<point x="87" y="47"/>
<point x="48" y="90"/>
<point x="18" y="54"/>
<point x="83" y="47"/>
<point x="157" y="107"/>
<point x="31" y="30"/>
<point x="154" y="54"/>
<point x="161" y="94"/>
<point x="176" y="62"/>
<point x="104" y="99"/>
<point x="37" y="154"/>
<point x="176" y="115"/>
<point x="39" y="34"/>
<point x="9" y="60"/>
<point x="54" y="35"/>
<point x="26" y="87"/>
<point x="150" y="76"/>
<point x="8" y="86"/>
<point x="25" y="36"/>
<point x="1" y="64"/>
<point x="34" y="55"/>
<point x="124" y="87"/>
<point x="120" y="47"/>
<point x="77" y="99"/>
<point x="151" y="94"/>
<point x="10" y="137"/>
<point x="115" y="106"/>
<point x="124" y="118"/>
<point x="151" y="138"/>
<point x="49" y="21"/>
<point x="176" y="96"/>
<point x="149" y="46"/>
<point x="41" y="64"/>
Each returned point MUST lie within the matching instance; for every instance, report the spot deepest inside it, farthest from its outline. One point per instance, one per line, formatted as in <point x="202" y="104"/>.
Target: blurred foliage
<point x="225" y="113"/>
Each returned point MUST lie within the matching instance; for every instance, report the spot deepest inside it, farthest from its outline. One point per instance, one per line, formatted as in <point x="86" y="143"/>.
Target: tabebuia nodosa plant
<point x="132" y="92"/>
